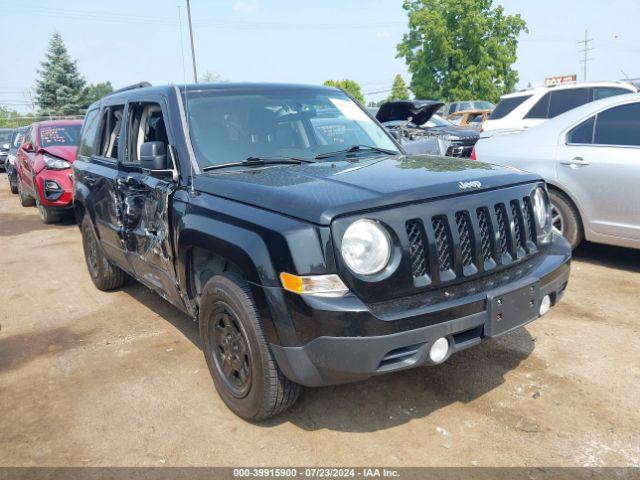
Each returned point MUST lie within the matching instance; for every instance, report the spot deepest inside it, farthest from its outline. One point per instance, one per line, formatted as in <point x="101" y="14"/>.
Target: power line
<point x="585" y="50"/>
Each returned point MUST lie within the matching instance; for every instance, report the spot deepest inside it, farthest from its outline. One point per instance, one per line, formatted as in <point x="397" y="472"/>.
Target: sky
<point x="288" y="41"/>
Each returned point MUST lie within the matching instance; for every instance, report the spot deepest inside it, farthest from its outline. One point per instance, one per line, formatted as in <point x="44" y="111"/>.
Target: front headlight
<point x="541" y="208"/>
<point x="55" y="163"/>
<point x="366" y="247"/>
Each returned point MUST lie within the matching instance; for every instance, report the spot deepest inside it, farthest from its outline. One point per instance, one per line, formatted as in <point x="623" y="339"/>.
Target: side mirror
<point x="27" y="147"/>
<point x="153" y="156"/>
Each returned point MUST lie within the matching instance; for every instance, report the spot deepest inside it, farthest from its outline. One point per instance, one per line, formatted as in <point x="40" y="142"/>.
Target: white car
<point x="590" y="158"/>
<point x="534" y="106"/>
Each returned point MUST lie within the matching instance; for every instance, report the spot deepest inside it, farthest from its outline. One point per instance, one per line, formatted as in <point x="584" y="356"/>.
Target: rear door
<point x="600" y="165"/>
<point x="146" y="200"/>
<point x="101" y="176"/>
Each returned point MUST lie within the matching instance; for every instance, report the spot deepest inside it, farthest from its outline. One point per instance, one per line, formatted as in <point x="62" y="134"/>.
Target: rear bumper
<point x="464" y="321"/>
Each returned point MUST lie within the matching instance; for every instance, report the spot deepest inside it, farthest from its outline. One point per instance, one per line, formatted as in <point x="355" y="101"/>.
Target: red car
<point x="44" y="167"/>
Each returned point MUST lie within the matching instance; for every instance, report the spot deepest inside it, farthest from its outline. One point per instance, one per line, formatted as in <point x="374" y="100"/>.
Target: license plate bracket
<point x="511" y="309"/>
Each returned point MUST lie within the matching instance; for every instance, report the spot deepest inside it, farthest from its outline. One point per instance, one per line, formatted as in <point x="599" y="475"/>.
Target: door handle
<point x="128" y="181"/>
<point x="90" y="179"/>
<point x="575" y="162"/>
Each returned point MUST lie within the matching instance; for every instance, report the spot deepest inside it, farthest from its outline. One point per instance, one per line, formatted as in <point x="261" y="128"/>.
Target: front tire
<point x="46" y="215"/>
<point x="104" y="274"/>
<point x="14" y="188"/>
<point x="240" y="361"/>
<point x="565" y="218"/>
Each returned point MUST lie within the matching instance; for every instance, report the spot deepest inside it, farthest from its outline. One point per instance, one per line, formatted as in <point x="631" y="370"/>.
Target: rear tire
<point x="104" y="274"/>
<point x="240" y="361"/>
<point x="14" y="188"/>
<point x="25" y="200"/>
<point x="566" y="218"/>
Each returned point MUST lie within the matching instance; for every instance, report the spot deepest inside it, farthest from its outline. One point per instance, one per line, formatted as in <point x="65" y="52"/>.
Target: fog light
<point x="51" y="185"/>
<point x="545" y="305"/>
<point x="439" y="349"/>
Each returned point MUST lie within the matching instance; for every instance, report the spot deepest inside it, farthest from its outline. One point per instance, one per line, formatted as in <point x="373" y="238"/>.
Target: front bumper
<point x="398" y="334"/>
<point x="60" y="196"/>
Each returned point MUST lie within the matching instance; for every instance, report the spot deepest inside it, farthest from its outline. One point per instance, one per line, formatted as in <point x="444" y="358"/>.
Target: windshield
<point x="59" y="135"/>
<point x="232" y="125"/>
<point x="5" y="137"/>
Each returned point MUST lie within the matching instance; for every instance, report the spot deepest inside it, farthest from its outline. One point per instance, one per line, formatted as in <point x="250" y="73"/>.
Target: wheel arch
<point x="553" y="186"/>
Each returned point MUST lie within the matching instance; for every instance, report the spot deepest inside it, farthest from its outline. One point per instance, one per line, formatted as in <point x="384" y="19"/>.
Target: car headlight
<point x="366" y="247"/>
<point x="56" y="163"/>
<point x="541" y="208"/>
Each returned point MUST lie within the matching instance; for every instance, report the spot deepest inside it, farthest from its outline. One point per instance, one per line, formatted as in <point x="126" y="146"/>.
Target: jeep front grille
<point x="470" y="242"/>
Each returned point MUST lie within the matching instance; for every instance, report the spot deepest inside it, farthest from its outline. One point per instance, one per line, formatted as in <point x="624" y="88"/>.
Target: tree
<point x="460" y="49"/>
<point x="399" y="89"/>
<point x="349" y="86"/>
<point x="93" y="93"/>
<point x="60" y="89"/>
<point x="212" y="77"/>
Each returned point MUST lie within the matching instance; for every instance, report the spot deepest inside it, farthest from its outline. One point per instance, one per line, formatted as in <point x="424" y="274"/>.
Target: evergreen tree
<point x="399" y="89"/>
<point x="60" y="89"/>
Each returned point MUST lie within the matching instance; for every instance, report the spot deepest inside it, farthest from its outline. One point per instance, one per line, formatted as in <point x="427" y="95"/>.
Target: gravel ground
<point x="95" y="378"/>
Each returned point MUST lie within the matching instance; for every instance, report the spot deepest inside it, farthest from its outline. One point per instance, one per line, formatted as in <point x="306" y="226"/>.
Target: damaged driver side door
<point x="146" y="197"/>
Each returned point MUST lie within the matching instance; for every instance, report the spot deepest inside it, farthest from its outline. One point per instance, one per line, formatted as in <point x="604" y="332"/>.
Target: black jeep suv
<point x="308" y="246"/>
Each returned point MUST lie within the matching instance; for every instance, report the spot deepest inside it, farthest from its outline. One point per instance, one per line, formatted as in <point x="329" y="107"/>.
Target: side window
<point x="619" y="126"/>
<point x="541" y="108"/>
<point x="89" y="131"/>
<point x="146" y="124"/>
<point x="110" y="132"/>
<point x="583" y="133"/>
<point x="32" y="136"/>
<point x="564" y="100"/>
<point x="604" y="92"/>
<point x="507" y="105"/>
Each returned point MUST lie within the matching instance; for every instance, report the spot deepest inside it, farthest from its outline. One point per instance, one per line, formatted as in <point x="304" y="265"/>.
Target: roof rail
<point x="130" y="87"/>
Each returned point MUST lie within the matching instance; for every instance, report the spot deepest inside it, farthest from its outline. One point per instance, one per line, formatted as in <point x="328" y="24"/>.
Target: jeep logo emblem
<point x="471" y="184"/>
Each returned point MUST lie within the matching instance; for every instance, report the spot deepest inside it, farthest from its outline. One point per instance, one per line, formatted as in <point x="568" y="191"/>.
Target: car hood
<point x="67" y="153"/>
<point x="404" y="110"/>
<point x="321" y="191"/>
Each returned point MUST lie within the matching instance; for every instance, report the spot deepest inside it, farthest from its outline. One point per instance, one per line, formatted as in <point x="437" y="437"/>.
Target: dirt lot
<point x="93" y="378"/>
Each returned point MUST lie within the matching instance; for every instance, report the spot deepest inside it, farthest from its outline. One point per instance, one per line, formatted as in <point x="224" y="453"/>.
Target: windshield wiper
<point x="353" y="149"/>
<point x="252" y="161"/>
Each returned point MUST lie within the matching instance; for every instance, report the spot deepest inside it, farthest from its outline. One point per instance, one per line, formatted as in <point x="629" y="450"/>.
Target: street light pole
<point x="193" y="51"/>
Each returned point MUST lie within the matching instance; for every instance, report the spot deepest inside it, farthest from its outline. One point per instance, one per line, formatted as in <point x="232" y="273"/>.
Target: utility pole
<point x="193" y="51"/>
<point x="585" y="50"/>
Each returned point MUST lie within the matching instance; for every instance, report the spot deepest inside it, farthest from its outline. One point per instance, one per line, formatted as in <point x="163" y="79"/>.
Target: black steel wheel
<point x="230" y="349"/>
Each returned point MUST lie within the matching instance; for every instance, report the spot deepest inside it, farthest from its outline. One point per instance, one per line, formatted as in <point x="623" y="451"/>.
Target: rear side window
<point x="541" y="108"/>
<point x="604" y="92"/>
<point x="619" y="126"/>
<point x="583" y="133"/>
<point x="89" y="131"/>
<point x="564" y="100"/>
<point x="110" y="132"/>
<point x="508" y="105"/>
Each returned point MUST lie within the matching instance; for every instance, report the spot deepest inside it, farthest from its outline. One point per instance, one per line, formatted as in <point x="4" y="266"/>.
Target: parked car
<point x="590" y="157"/>
<point x="44" y="167"/>
<point x="311" y="253"/>
<point x="454" y="107"/>
<point x="5" y="141"/>
<point x="469" y="118"/>
<point x="420" y="131"/>
<point x="10" y="165"/>
<point x="534" y="106"/>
